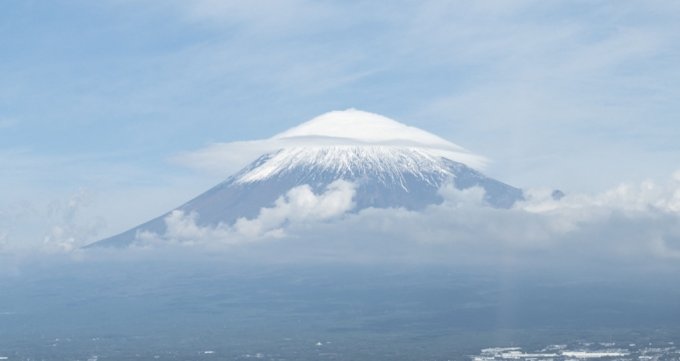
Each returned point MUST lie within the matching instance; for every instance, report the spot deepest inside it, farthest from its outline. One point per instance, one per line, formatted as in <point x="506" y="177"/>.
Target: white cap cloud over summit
<point x="350" y="127"/>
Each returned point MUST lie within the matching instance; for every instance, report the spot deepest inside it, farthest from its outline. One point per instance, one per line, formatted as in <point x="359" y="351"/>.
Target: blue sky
<point x="98" y="98"/>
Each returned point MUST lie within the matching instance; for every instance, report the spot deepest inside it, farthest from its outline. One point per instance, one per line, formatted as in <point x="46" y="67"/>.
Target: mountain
<point x="391" y="165"/>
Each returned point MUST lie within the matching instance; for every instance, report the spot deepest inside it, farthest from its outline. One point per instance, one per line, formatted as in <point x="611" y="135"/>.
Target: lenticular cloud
<point x="337" y="128"/>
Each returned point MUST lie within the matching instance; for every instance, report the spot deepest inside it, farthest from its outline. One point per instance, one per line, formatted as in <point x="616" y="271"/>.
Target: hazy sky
<point x="97" y="98"/>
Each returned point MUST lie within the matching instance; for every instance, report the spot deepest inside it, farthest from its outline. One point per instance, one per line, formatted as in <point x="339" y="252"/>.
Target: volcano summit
<point x="390" y="164"/>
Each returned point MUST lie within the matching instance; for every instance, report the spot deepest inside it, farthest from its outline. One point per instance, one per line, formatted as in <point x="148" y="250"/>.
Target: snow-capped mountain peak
<point x="383" y="163"/>
<point x="388" y="164"/>
<point x="353" y="141"/>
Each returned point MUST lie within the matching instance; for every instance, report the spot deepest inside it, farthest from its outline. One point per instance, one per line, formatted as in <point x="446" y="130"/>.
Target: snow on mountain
<point x="385" y="163"/>
<point x="348" y="128"/>
<point x="389" y="164"/>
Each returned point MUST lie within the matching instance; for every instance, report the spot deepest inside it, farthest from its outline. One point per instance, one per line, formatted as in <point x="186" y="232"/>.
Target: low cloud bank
<point x="630" y="224"/>
<point x="59" y="225"/>
<point x="66" y="230"/>
<point x="298" y="205"/>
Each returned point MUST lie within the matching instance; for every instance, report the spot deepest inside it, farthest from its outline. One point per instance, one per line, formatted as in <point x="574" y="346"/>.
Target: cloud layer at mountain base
<point x="59" y="225"/>
<point x="632" y="226"/>
<point x="628" y="225"/>
<point x="298" y="205"/>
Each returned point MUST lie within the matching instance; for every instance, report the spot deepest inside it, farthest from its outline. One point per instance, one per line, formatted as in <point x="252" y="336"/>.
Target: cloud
<point x="632" y="225"/>
<point x="538" y="86"/>
<point x="12" y="215"/>
<point x="298" y="205"/>
<point x="267" y="17"/>
<point x="532" y="84"/>
<point x="224" y="158"/>
<point x="32" y="186"/>
<point x="182" y="228"/>
<point x="67" y="232"/>
<point x="556" y="87"/>
<point x="348" y="128"/>
<point x="60" y="225"/>
<point x="227" y="158"/>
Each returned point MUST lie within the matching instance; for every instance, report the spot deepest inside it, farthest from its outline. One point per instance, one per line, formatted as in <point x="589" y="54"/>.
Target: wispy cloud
<point x="67" y="231"/>
<point x="266" y="17"/>
<point x="533" y="83"/>
<point x="49" y="199"/>
<point x="59" y="225"/>
<point x="556" y="80"/>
